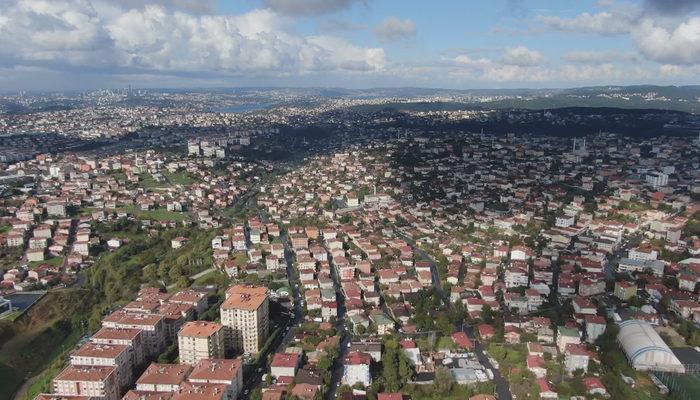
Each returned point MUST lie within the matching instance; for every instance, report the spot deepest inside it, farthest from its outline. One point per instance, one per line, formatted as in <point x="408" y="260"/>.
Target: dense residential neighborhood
<point x="390" y="264"/>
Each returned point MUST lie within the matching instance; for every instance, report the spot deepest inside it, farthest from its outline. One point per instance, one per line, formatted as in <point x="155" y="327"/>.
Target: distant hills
<point x="677" y="98"/>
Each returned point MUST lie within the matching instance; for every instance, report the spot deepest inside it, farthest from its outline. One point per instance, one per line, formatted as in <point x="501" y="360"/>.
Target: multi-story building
<point x="284" y="364"/>
<point x="625" y="290"/>
<point x="567" y="336"/>
<point x="91" y="381"/>
<point x="116" y="355"/>
<point x="245" y="316"/>
<point x="199" y="340"/>
<point x="220" y="372"/>
<point x="163" y="378"/>
<point x="128" y="337"/>
<point x="356" y="369"/>
<point x="195" y="298"/>
<point x="152" y="325"/>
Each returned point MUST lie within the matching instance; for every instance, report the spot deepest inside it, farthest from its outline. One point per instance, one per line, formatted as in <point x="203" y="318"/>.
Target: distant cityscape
<point x="282" y="244"/>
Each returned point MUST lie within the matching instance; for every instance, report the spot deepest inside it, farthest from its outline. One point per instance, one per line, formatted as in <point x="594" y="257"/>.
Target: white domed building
<point x="645" y="349"/>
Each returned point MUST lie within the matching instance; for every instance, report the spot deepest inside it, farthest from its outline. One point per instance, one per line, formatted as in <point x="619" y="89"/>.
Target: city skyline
<point x="90" y="44"/>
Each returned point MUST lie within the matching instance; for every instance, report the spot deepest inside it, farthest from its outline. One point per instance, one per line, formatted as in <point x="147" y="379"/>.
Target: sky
<point x="457" y="44"/>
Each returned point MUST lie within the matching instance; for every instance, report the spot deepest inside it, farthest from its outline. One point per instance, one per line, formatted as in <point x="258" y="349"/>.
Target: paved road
<point x="254" y="372"/>
<point x="437" y="284"/>
<point x="502" y="387"/>
<point x="337" y="372"/>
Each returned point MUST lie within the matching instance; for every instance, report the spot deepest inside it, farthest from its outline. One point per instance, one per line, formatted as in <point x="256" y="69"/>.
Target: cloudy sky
<point x="83" y="44"/>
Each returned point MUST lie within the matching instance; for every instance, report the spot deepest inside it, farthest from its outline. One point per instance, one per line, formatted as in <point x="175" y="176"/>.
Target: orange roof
<point x="93" y="350"/>
<point x="117" y="334"/>
<point x="166" y="374"/>
<point x="200" y="329"/>
<point x="144" y="395"/>
<point x="245" y="297"/>
<point x="206" y="391"/>
<point x="85" y="373"/>
<point x="215" y="369"/>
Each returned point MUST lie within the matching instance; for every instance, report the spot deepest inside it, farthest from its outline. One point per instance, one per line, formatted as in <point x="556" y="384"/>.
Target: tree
<point x="443" y="381"/>
<point x="487" y="315"/>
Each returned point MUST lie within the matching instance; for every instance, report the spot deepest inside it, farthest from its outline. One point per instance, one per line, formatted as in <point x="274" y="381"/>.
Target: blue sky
<point x="84" y="44"/>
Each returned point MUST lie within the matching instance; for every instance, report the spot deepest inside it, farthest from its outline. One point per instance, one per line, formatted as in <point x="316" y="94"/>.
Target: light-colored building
<point x="356" y="369"/>
<point x="152" y="325"/>
<point x="88" y="381"/>
<point x="128" y="337"/>
<point x="284" y="364"/>
<point x="567" y="336"/>
<point x="245" y="316"/>
<point x="163" y="377"/>
<point x="221" y="372"/>
<point x="645" y="349"/>
<point x="116" y="355"/>
<point x="625" y="290"/>
<point x="630" y="265"/>
<point x="200" y="340"/>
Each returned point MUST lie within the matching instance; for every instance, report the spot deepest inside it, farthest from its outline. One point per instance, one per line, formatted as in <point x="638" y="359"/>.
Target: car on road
<point x="260" y="369"/>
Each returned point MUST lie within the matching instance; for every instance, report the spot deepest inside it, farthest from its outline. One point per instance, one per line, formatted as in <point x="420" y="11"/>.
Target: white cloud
<point x="392" y="28"/>
<point x="500" y="71"/>
<point x="194" y="6"/>
<point x="679" y="46"/>
<point x="309" y="7"/>
<point x="522" y="56"/>
<point x="159" y="39"/>
<point x="604" y="23"/>
<point x="598" y="57"/>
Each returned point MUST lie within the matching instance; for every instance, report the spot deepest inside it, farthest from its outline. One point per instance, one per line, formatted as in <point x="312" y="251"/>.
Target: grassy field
<point x="179" y="177"/>
<point x="147" y="181"/>
<point x="40" y="337"/>
<point x="207" y="279"/>
<point x="159" y="214"/>
<point x="446" y="343"/>
<point x="54" y="261"/>
<point x="9" y="256"/>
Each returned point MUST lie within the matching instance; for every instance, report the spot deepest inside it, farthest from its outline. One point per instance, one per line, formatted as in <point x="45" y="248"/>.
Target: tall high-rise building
<point x="245" y="315"/>
<point x="198" y="340"/>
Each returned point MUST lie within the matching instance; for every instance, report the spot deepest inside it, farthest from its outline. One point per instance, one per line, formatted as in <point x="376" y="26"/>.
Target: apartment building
<point x="163" y="377"/>
<point x="200" y="340"/>
<point x="128" y="337"/>
<point x="116" y="355"/>
<point x="245" y="316"/>
<point x="220" y="372"/>
<point x="152" y="325"/>
<point x="90" y="381"/>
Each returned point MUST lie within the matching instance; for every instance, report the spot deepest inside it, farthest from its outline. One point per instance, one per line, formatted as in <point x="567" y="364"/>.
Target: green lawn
<point x="159" y="214"/>
<point x="179" y="177"/>
<point x="4" y="228"/>
<point x="54" y="261"/>
<point x="207" y="279"/>
<point x="9" y="256"/>
<point x="147" y="181"/>
<point x="445" y="342"/>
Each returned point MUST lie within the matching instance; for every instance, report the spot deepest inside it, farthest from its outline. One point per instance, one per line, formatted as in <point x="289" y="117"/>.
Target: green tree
<point x="443" y="382"/>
